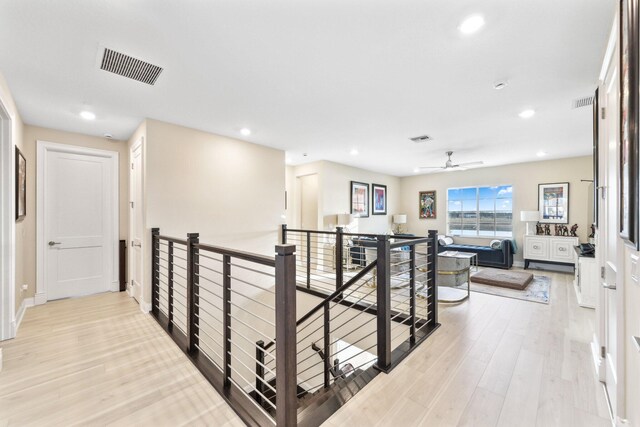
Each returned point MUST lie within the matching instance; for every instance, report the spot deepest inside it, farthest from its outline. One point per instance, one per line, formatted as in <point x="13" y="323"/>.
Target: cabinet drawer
<point x="562" y="251"/>
<point x="536" y="248"/>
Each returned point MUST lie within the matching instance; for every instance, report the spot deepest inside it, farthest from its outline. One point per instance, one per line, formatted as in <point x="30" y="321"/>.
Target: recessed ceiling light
<point x="287" y="160"/>
<point x="416" y="170"/>
<point x="527" y="114"/>
<point x="471" y="24"/>
<point x="353" y="152"/>
<point x="108" y="136"/>
<point x="541" y="153"/>
<point x="245" y="131"/>
<point x="87" y="115"/>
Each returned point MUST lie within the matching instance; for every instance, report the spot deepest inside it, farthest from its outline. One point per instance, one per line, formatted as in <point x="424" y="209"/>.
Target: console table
<point x="550" y="250"/>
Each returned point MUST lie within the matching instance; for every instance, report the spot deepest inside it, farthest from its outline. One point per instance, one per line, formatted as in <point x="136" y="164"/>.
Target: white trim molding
<point x="26" y="303"/>
<point x="7" y="220"/>
<point x="43" y="147"/>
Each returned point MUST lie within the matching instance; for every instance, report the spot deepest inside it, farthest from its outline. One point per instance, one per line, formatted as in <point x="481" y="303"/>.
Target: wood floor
<point x="494" y="362"/>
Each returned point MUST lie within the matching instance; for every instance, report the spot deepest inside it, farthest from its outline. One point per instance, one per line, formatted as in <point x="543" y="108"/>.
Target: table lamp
<point x="528" y="217"/>
<point x="398" y="220"/>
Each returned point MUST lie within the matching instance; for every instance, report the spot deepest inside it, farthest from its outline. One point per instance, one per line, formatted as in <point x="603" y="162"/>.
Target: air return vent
<point x="582" y="102"/>
<point x="127" y="66"/>
<point x="423" y="138"/>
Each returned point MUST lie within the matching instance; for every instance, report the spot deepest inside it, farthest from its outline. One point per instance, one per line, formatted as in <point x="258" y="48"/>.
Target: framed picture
<point x="21" y="185"/>
<point x="427" y="204"/>
<point x="553" y="202"/>
<point x="628" y="169"/>
<point x="596" y="158"/>
<point x="378" y="199"/>
<point x="359" y="199"/>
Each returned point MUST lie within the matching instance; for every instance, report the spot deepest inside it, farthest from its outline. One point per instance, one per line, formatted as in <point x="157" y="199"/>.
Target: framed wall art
<point x="21" y="186"/>
<point x="359" y="199"/>
<point x="427" y="204"/>
<point x="553" y="202"/>
<point x="378" y="199"/>
<point x="628" y="161"/>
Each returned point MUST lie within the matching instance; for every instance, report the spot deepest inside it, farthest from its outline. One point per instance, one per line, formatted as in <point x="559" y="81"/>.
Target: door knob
<point x="52" y="243"/>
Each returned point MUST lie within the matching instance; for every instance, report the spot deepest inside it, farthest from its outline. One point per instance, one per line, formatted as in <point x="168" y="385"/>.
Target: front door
<point x="136" y="251"/>
<point x="78" y="224"/>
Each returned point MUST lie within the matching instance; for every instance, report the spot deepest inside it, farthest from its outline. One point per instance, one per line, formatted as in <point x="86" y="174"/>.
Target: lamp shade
<point x="399" y="219"/>
<point x="345" y="219"/>
<point x="529" y="216"/>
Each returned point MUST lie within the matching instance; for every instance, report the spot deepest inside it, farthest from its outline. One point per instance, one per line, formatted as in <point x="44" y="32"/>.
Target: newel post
<point x="192" y="289"/>
<point x="432" y="260"/>
<point x="286" y="347"/>
<point x="155" y="269"/>
<point x="339" y="256"/>
<point x="383" y="294"/>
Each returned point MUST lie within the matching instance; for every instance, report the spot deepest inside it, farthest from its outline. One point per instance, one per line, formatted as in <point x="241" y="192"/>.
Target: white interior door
<point x="609" y="240"/>
<point x="78" y="197"/>
<point x="136" y="232"/>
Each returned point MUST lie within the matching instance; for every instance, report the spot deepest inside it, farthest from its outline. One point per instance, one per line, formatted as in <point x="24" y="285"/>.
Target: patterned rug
<point x="536" y="291"/>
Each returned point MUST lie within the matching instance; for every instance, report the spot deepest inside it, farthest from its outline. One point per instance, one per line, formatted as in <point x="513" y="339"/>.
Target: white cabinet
<point x="586" y="281"/>
<point x="550" y="249"/>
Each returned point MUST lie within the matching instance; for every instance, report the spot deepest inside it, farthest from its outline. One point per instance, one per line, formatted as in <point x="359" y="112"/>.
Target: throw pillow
<point x="495" y="244"/>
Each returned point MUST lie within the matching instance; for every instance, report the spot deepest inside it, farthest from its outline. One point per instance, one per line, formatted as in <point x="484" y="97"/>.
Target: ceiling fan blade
<point x="471" y="164"/>
<point x="430" y="167"/>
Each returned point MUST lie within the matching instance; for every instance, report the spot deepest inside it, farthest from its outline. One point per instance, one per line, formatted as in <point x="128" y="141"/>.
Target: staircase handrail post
<point x="284" y="234"/>
<point x="412" y="293"/>
<point x="383" y="300"/>
<point x="192" y="289"/>
<point x="286" y="347"/>
<point x="155" y="271"/>
<point x="339" y="255"/>
<point x="432" y="272"/>
<point x="259" y="371"/>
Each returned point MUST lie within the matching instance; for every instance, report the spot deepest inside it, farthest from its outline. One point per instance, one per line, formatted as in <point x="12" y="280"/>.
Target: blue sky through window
<point x="480" y="211"/>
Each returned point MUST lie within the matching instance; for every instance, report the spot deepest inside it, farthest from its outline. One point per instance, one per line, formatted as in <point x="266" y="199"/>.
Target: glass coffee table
<point x="454" y="275"/>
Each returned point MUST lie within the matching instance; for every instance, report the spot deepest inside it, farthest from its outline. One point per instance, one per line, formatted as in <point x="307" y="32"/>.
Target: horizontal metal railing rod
<point x="208" y="268"/>
<point x="211" y="258"/>
<point x="233" y="291"/>
<point x="243" y="267"/>
<point x="206" y="354"/>
<point x="209" y="280"/>
<point x="200" y="319"/>
<point x="250" y="384"/>
<point x="252" y="314"/>
<point x="249" y="326"/>
<point x="210" y="292"/>
<point x="408" y="242"/>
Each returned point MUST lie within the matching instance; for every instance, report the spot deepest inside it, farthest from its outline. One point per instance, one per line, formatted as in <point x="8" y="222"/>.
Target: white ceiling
<point x="320" y="77"/>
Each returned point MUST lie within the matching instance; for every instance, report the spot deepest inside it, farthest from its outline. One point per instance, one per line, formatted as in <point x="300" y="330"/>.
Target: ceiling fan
<point x="450" y="166"/>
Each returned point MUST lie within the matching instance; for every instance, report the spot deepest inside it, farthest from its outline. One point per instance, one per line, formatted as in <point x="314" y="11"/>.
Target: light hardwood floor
<point x="494" y="362"/>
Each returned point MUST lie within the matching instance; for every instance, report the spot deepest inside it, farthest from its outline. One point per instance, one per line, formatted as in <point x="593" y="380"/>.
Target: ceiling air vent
<point x="127" y="66"/>
<point x="423" y="138"/>
<point x="582" y="102"/>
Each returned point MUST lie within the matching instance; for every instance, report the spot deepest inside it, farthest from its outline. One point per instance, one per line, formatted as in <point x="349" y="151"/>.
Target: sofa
<point x="500" y="257"/>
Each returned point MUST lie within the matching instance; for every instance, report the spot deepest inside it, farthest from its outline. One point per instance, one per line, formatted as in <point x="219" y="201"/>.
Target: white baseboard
<point x="145" y="307"/>
<point x="519" y="264"/>
<point x="115" y="286"/>
<point x="26" y="303"/>
<point x="40" y="298"/>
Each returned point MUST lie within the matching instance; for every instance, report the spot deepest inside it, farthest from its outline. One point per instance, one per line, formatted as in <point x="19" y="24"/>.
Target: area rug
<point x="503" y="278"/>
<point x="536" y="291"/>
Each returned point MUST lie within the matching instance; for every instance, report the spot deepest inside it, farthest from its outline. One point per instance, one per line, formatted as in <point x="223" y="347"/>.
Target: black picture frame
<point x="21" y="185"/>
<point x="378" y="199"/>
<point x="553" y="203"/>
<point x="359" y="199"/>
<point x="628" y="161"/>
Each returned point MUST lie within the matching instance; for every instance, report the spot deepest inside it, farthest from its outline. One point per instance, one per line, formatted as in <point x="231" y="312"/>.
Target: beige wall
<point x="32" y="134"/>
<point x="334" y="188"/>
<point x="524" y="177"/>
<point x="229" y="191"/>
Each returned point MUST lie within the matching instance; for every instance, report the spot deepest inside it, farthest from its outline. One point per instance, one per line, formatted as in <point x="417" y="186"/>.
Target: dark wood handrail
<point x="331" y="297"/>
<point x="247" y="256"/>
<point x="173" y="239"/>
<point x="401" y="241"/>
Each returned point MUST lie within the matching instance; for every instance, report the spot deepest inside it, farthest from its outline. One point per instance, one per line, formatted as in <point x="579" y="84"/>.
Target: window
<point x="480" y="211"/>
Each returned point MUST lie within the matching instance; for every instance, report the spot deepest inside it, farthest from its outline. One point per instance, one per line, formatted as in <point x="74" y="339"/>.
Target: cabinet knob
<point x="561" y="249"/>
<point x="536" y="247"/>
